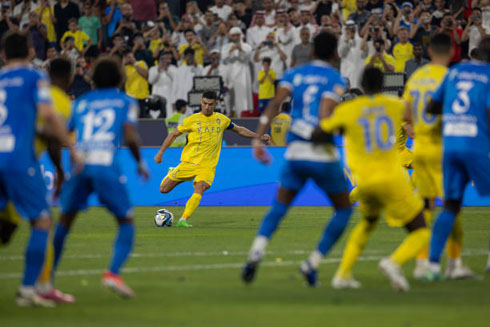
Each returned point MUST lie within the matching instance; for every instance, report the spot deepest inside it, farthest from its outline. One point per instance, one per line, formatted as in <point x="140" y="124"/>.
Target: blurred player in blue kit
<point x="316" y="89"/>
<point x="25" y="94"/>
<point x="463" y="99"/>
<point x="103" y="119"/>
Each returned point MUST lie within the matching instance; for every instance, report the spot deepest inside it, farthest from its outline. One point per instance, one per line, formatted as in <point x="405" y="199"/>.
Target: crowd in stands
<point x="249" y="43"/>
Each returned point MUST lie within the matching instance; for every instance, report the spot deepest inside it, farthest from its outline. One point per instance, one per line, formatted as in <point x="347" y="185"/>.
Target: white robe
<point x="184" y="81"/>
<point x="162" y="83"/>
<point x="257" y="34"/>
<point x="352" y="59"/>
<point x="238" y="68"/>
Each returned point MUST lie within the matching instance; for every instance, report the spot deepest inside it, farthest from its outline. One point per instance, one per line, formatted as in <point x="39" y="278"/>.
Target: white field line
<point x="218" y="266"/>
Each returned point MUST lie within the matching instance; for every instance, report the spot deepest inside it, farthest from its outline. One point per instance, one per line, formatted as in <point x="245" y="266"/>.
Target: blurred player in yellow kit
<point x="201" y="154"/>
<point x="427" y="161"/>
<point x="370" y="124"/>
<point x="60" y="76"/>
<point x="280" y="125"/>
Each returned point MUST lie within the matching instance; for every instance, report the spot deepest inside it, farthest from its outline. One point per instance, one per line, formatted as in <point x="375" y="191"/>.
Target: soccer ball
<point x="163" y="218"/>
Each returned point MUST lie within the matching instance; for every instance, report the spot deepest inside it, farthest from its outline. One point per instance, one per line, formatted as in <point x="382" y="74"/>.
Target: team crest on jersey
<point x="297" y="79"/>
<point x="81" y="106"/>
<point x="218" y="121"/>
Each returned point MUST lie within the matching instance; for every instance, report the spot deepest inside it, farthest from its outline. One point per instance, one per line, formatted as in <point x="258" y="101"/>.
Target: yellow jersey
<point x="266" y="88"/>
<point x="46" y="20"/>
<point x="280" y="128"/>
<point x="418" y="90"/>
<point x="370" y="125"/>
<point x="379" y="64"/>
<point x="204" y="138"/>
<point x="198" y="53"/>
<point x="402" y="53"/>
<point x="62" y="105"/>
<point x="79" y="37"/>
<point x="136" y="85"/>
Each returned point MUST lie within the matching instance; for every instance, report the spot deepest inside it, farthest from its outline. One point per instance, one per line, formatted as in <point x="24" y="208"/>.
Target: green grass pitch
<point x="190" y="277"/>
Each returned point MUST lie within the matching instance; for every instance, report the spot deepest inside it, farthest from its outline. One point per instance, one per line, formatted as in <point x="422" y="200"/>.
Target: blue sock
<point x="59" y="243"/>
<point x="34" y="256"/>
<point x="122" y="247"/>
<point x="334" y="229"/>
<point x="272" y="219"/>
<point x="440" y="233"/>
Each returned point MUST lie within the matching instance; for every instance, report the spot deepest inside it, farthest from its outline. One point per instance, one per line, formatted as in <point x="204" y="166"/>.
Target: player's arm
<point x="245" y="132"/>
<point x="407" y="119"/>
<point x="133" y="142"/>
<point x="54" y="151"/>
<point x="166" y="143"/>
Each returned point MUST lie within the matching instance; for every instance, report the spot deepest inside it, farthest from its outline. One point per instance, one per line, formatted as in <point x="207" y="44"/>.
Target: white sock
<point x="488" y="261"/>
<point x="315" y="259"/>
<point x="453" y="263"/>
<point x="182" y="218"/>
<point x="44" y="287"/>
<point x="435" y="267"/>
<point x="26" y="290"/>
<point x="258" y="248"/>
<point x="422" y="262"/>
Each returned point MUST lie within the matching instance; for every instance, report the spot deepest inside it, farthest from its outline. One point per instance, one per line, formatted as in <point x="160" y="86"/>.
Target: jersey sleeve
<point x="334" y="122"/>
<point x="42" y="90"/>
<point x="335" y="88"/>
<point x="70" y="125"/>
<point x="186" y="125"/>
<point x="287" y="81"/>
<point x="438" y="95"/>
<point x="132" y="112"/>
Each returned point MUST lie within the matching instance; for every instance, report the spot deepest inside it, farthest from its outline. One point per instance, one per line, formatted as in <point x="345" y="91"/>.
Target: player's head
<point x="372" y="80"/>
<point x="325" y="46"/>
<point x="107" y="73"/>
<point x="440" y="48"/>
<point x="208" y="103"/>
<point x="484" y="49"/>
<point x="15" y="46"/>
<point x="60" y="72"/>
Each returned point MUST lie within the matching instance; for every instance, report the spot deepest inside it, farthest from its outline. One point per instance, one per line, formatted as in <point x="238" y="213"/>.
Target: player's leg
<point x="422" y="259"/>
<point x="168" y="185"/>
<point x="191" y="205"/>
<point x="455" y="268"/>
<point x="330" y="178"/>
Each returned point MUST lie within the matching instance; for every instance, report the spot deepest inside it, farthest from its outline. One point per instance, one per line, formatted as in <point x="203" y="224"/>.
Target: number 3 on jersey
<point x="383" y="141"/>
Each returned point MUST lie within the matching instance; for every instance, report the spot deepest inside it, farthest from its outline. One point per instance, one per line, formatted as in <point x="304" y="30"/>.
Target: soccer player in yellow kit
<point x="428" y="150"/>
<point x="370" y="124"/>
<point x="201" y="154"/>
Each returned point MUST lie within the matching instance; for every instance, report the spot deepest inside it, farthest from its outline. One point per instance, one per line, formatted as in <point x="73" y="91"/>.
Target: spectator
<point x="166" y="17"/>
<point x="209" y="28"/>
<point x="367" y="45"/>
<point x="439" y="13"/>
<point x="81" y="81"/>
<point x="220" y="38"/>
<point x="269" y="13"/>
<point x="162" y="77"/>
<point x="374" y="5"/>
<point x="7" y="21"/>
<point x="140" y="52"/>
<point x="308" y="22"/>
<point x="405" y="18"/>
<point x="269" y="48"/>
<point x="51" y="53"/>
<point x="82" y="40"/>
<point x="402" y="51"/>
<point x="178" y="35"/>
<point x="175" y="120"/>
<point x="127" y="26"/>
<point x="422" y="31"/>
<point x="303" y="51"/>
<point x="118" y="46"/>
<point x="136" y="85"/>
<point x="39" y="34"/>
<point x="91" y="25"/>
<point x="222" y="10"/>
<point x="46" y="13"/>
<point x="267" y="80"/>
<point x="193" y="13"/>
<point x="474" y="30"/>
<point x="448" y="26"/>
<point x="294" y="18"/>
<point x="69" y="50"/>
<point x="144" y="10"/>
<point x="64" y="10"/>
<point x="416" y="62"/>
<point x="22" y="9"/>
<point x="285" y="33"/>
<point x="243" y="13"/>
<point x="185" y="75"/>
<point x="380" y="59"/>
<point x="154" y="41"/>
<point x="257" y="32"/>
<point x="351" y="54"/>
<point x="361" y="15"/>
<point x="194" y="42"/>
<point x="237" y="55"/>
<point x="112" y="18"/>
<point x="324" y="7"/>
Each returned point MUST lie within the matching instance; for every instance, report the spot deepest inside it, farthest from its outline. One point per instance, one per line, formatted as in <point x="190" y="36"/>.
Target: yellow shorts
<point x="187" y="172"/>
<point x="428" y="179"/>
<point x="392" y="194"/>
<point x="406" y="157"/>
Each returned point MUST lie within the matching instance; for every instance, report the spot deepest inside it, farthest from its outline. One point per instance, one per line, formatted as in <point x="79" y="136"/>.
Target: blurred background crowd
<point x="248" y="44"/>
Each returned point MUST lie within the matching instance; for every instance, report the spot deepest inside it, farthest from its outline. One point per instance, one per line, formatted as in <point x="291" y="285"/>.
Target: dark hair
<point x="107" y="73"/>
<point x="189" y="30"/>
<point x="325" y="46"/>
<point x="484" y="49"/>
<point x="267" y="60"/>
<point x="73" y="20"/>
<point x="189" y="51"/>
<point x="211" y="95"/>
<point x="372" y="80"/>
<point x="440" y="43"/>
<point x="475" y="54"/>
<point x="379" y="41"/>
<point x="16" y="45"/>
<point x="179" y="104"/>
<point x="418" y="44"/>
<point x="60" y="69"/>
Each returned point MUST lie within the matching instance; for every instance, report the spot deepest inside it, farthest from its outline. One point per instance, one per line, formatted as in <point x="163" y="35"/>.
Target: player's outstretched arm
<point x="166" y="143"/>
<point x="132" y="140"/>
<point x="407" y="119"/>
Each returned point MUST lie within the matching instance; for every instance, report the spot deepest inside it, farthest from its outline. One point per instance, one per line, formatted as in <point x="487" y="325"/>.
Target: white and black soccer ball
<point x="163" y="218"/>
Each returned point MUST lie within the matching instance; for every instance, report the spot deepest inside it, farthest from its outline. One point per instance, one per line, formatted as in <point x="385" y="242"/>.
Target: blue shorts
<point x="27" y="191"/>
<point x="459" y="169"/>
<point x="329" y="176"/>
<point x="111" y="192"/>
<point x="262" y="104"/>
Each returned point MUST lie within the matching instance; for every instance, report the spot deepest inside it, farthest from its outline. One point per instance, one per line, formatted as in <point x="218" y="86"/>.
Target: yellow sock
<point x="455" y="241"/>
<point x="45" y="276"/>
<point x="424" y="254"/>
<point x="191" y="205"/>
<point x="354" y="195"/>
<point x="356" y="243"/>
<point x="411" y="245"/>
